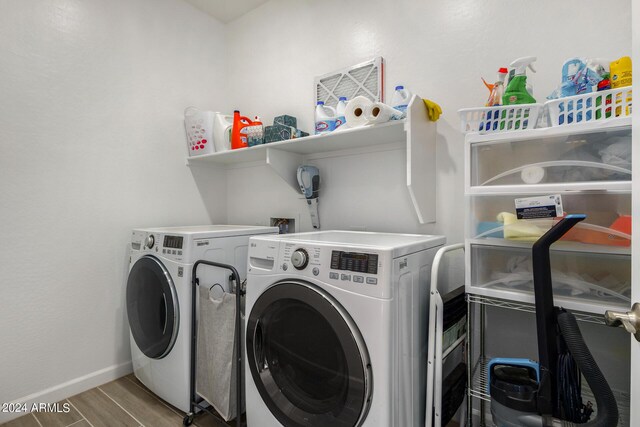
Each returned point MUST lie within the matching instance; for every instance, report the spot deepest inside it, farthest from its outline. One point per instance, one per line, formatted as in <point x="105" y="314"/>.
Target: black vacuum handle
<point x="546" y="323"/>
<point x="557" y="231"/>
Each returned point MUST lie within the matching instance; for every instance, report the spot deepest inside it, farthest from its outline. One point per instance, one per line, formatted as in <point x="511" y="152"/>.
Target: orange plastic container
<point x="239" y="137"/>
<point x="622" y="225"/>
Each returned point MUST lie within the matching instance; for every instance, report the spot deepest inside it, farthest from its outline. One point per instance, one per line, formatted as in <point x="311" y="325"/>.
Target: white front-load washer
<point x="336" y="329"/>
<point x="159" y="297"/>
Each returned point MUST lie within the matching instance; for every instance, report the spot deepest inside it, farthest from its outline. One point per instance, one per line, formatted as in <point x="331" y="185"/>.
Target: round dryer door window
<point x="307" y="357"/>
<point x="152" y="307"/>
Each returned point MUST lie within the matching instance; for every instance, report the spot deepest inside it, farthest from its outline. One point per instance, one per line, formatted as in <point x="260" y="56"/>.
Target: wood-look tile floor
<point x="123" y="402"/>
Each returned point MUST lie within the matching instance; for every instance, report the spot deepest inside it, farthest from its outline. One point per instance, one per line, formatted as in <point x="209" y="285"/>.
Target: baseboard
<point x="70" y="388"/>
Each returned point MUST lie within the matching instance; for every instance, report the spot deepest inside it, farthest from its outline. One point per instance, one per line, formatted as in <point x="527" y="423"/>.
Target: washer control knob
<point x="299" y="258"/>
<point x="150" y="241"/>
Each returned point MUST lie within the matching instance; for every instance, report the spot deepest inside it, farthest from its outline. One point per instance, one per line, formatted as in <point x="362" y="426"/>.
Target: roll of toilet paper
<point x="381" y="113"/>
<point x="354" y="114"/>
<point x="532" y="175"/>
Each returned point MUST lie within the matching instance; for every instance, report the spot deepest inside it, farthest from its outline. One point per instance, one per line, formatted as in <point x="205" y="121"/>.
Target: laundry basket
<point x="199" y="128"/>
<point x="499" y="118"/>
<point x="588" y="107"/>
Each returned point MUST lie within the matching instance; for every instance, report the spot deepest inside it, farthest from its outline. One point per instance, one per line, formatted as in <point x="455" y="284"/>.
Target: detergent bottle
<point x="516" y="92"/>
<point x="340" y="109"/>
<point x="325" y="118"/>
<point x="496" y="90"/>
<point x="400" y="100"/>
<point x="621" y="76"/>
<point x="239" y="138"/>
<point x="621" y="72"/>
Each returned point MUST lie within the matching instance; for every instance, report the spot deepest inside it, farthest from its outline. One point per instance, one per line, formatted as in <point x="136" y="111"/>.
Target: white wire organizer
<point x="435" y="352"/>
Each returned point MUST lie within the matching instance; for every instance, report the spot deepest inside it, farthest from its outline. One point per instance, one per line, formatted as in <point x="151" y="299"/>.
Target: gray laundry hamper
<point x="216" y="348"/>
<point x="216" y="357"/>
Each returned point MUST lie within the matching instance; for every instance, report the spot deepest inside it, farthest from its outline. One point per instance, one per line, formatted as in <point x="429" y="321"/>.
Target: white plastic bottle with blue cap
<point x="325" y="118"/>
<point x="340" y="109"/>
<point x="400" y="100"/>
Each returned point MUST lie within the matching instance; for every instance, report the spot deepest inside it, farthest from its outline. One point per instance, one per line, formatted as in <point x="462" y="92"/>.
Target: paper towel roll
<point x="354" y="114"/>
<point x="532" y="175"/>
<point x="381" y="113"/>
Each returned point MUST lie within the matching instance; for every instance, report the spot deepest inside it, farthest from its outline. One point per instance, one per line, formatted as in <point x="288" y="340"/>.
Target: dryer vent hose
<point x="607" y="412"/>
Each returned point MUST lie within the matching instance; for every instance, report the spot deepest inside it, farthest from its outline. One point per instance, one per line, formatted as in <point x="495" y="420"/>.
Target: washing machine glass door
<point x="307" y="357"/>
<point x="152" y="307"/>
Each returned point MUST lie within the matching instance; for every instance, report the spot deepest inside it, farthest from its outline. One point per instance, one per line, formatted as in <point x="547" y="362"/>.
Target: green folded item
<point x="278" y="133"/>
<point x="286" y="121"/>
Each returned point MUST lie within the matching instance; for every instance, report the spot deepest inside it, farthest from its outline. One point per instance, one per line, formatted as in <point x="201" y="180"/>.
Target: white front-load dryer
<point x="336" y="329"/>
<point x="159" y="293"/>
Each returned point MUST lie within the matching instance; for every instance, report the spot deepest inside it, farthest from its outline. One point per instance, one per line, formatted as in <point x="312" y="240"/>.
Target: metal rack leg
<point x="482" y="356"/>
<point x="469" y="364"/>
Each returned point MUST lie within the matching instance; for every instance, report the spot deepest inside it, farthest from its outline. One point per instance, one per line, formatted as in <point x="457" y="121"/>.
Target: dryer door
<point x="307" y="357"/>
<point x="152" y="307"/>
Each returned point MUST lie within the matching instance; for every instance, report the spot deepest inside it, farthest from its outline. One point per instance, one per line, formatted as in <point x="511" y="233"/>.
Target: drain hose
<point x="607" y="413"/>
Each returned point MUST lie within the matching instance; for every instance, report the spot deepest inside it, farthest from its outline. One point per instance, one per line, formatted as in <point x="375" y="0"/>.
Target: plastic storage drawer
<point x="584" y="281"/>
<point x="571" y="156"/>
<point x="608" y="220"/>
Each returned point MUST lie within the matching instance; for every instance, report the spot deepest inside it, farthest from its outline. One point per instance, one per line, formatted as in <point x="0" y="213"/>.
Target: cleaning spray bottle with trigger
<point x="516" y="92"/>
<point x="496" y="90"/>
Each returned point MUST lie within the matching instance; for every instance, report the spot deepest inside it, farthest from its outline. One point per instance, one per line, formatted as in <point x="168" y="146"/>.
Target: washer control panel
<point x="341" y="267"/>
<point x="357" y="262"/>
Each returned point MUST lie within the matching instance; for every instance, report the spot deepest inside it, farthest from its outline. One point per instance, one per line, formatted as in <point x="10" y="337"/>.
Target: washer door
<point x="152" y="307"/>
<point x="307" y="358"/>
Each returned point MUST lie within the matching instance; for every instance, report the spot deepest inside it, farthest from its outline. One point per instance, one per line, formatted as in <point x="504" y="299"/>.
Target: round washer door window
<point x="152" y="307"/>
<point x="307" y="358"/>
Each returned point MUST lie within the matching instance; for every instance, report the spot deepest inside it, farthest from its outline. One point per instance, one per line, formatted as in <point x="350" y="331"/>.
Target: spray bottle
<point x="516" y="92"/>
<point x="496" y="90"/>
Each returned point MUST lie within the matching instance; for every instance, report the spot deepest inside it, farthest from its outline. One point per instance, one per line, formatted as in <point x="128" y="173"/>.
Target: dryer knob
<point x="299" y="258"/>
<point x="150" y="241"/>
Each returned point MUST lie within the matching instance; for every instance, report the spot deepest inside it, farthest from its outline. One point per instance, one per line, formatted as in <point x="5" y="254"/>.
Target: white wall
<point x="92" y="145"/>
<point x="439" y="49"/>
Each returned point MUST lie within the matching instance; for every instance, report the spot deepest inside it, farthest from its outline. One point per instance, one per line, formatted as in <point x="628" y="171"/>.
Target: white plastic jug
<point x="340" y="111"/>
<point x="325" y="118"/>
<point x="199" y="127"/>
<point x="222" y="125"/>
<point x="400" y="99"/>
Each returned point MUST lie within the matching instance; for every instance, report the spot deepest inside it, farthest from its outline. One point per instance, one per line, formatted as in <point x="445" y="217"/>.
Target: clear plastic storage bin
<point x="596" y="155"/>
<point x="579" y="277"/>
<point x="608" y="221"/>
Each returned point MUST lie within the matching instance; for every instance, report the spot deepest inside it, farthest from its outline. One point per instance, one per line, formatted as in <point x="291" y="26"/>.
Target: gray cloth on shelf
<point x="216" y="350"/>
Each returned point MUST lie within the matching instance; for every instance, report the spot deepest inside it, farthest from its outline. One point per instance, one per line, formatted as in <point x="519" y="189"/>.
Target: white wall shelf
<point x="416" y="132"/>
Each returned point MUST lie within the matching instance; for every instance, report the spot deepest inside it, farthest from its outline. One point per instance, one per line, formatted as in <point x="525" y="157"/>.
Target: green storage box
<point x="286" y="121"/>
